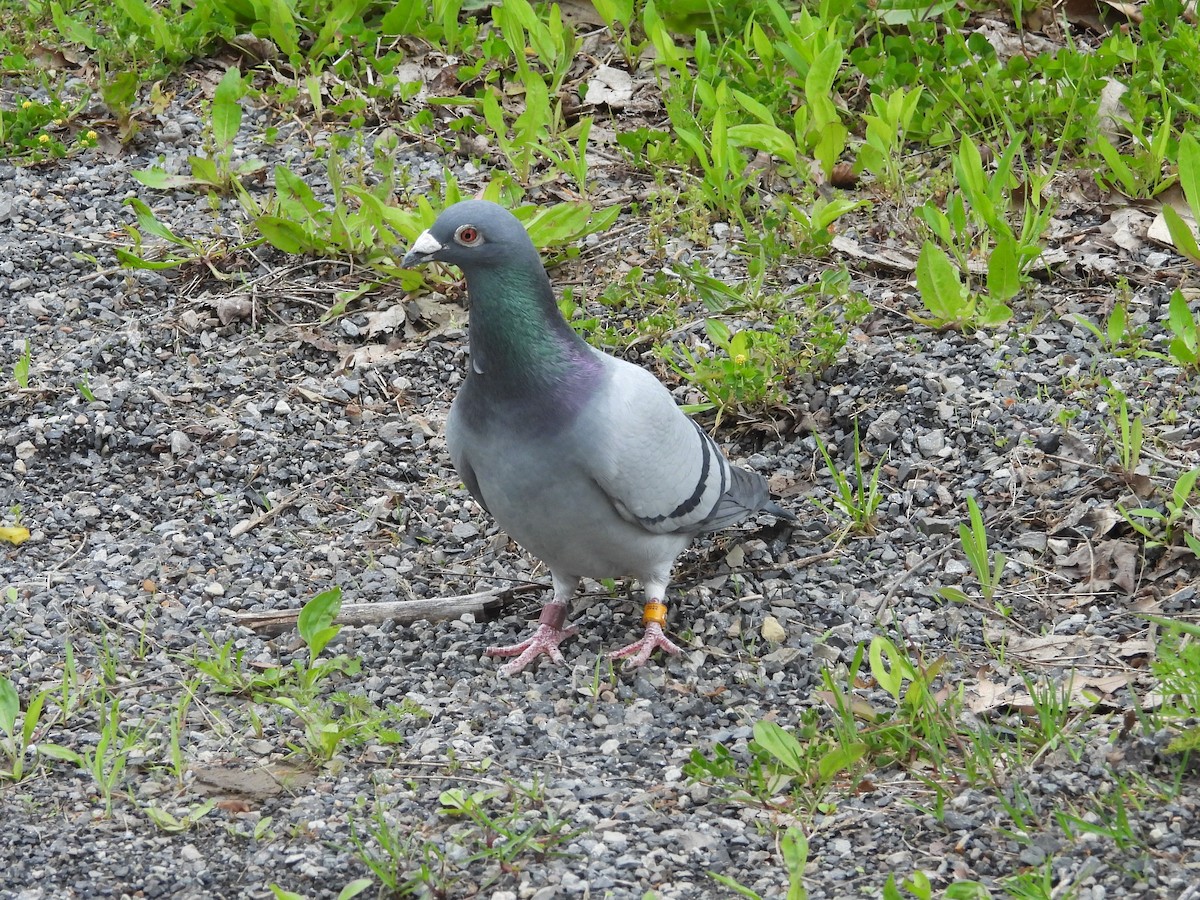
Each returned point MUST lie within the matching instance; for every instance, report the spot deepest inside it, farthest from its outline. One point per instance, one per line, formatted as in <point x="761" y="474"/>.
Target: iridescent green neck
<point x="519" y="340"/>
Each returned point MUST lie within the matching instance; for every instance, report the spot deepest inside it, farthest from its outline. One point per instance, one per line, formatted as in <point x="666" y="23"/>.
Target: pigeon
<point x="585" y="460"/>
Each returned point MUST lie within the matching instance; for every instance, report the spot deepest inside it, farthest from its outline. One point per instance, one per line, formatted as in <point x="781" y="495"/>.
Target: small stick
<point x="432" y="609"/>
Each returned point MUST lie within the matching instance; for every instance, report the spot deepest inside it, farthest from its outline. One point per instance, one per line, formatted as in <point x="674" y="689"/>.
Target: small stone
<point x="778" y="660"/>
<point x="772" y="631"/>
<point x="931" y="443"/>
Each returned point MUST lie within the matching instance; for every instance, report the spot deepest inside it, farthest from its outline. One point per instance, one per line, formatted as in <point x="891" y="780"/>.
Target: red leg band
<point x="554" y="615"/>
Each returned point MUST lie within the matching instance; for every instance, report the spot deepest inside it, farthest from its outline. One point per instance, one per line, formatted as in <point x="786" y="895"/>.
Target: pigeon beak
<point x="421" y="251"/>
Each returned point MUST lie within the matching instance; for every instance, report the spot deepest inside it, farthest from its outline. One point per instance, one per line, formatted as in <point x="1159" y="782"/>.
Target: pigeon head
<point x="473" y="235"/>
<point x="522" y="349"/>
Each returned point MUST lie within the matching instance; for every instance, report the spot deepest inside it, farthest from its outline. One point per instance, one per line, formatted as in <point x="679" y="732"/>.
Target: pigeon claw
<point x="544" y="641"/>
<point x="639" y="651"/>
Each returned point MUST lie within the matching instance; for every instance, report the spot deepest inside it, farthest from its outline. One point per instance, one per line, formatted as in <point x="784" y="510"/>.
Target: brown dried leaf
<point x="252" y="783"/>
<point x="392" y="319"/>
<point x="1107" y="565"/>
<point x="1085" y="13"/>
<point x="233" y="309"/>
<point x="609" y="86"/>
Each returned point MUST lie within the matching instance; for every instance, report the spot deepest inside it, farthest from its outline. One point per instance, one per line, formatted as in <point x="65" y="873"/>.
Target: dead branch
<point x="405" y="612"/>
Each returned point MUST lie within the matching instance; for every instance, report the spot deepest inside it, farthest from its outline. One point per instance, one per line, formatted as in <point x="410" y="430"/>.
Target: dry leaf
<point x="392" y="319"/>
<point x="233" y="309"/>
<point x="1085" y="13"/>
<point x="257" y="783"/>
<point x="369" y="356"/>
<point x="609" y="86"/>
<point x="1173" y="197"/>
<point x="14" y="534"/>
<point x="1111" y="114"/>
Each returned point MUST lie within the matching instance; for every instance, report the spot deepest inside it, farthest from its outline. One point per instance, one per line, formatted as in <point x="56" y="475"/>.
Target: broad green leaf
<point x="840" y="759"/>
<point x="205" y="170"/>
<point x="940" y="285"/>
<point x="972" y="180"/>
<point x="774" y="141"/>
<point x="667" y="53"/>
<point x="1003" y="276"/>
<point x="404" y="18"/>
<point x="133" y="261"/>
<point x="354" y="888"/>
<point x="1182" y="235"/>
<point x="794" y="847"/>
<point x="994" y="314"/>
<point x="568" y="221"/>
<point x="1184" y="487"/>
<point x="825" y="212"/>
<point x="226" y="110"/>
<point x="1185" y="342"/>
<point x="755" y="108"/>
<point x="718" y="332"/>
<point x="615" y="11"/>
<point x="889" y="667"/>
<point x="150" y="223"/>
<point x="334" y="20"/>
<point x="1180" y="318"/>
<point x="160" y="180"/>
<point x="285" y="235"/>
<point x="733" y="884"/>
<point x="282" y="28"/>
<point x="937" y="221"/>
<point x="33" y="713"/>
<point x="10" y="705"/>
<point x="315" y="622"/>
<point x="1117" y="166"/>
<point x="1189" y="172"/>
<point x="59" y="752"/>
<point x="73" y="29"/>
<point x="828" y="149"/>
<point x="906" y="12"/>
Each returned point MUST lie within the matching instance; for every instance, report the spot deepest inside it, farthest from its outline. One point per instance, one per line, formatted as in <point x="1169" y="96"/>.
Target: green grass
<point x="757" y="107"/>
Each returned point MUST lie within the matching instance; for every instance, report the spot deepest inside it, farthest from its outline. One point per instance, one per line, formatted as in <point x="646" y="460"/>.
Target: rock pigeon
<point x="584" y="459"/>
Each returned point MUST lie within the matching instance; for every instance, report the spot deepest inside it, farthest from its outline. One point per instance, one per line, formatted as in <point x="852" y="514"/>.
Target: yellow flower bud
<point x="44" y="138"/>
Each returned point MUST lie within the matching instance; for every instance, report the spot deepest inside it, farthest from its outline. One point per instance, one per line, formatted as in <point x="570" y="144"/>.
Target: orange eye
<point x="468" y="235"/>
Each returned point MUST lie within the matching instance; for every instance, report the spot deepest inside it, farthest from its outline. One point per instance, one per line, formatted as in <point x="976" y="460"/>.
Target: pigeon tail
<point x="746" y="495"/>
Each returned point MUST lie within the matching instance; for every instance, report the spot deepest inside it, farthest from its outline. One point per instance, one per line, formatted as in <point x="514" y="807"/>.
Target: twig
<point x="405" y="612"/>
<point x="908" y="573"/>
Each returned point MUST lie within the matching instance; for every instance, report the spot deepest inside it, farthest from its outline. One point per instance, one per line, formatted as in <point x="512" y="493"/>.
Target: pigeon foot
<point x="550" y="633"/>
<point x="639" y="651"/>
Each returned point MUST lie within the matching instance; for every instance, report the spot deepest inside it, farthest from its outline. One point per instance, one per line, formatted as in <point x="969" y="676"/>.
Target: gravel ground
<point x="138" y="500"/>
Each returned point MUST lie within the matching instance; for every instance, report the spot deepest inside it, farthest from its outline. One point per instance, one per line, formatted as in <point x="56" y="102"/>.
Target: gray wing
<point x="658" y="467"/>
<point x="457" y="443"/>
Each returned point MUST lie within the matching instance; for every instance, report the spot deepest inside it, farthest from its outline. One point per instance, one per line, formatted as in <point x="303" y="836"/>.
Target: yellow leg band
<point x="654" y="614"/>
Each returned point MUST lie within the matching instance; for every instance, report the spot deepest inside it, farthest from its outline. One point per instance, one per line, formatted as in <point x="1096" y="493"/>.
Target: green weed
<point x="856" y="495"/>
<point x="16" y="742"/>
<point x="987" y="567"/>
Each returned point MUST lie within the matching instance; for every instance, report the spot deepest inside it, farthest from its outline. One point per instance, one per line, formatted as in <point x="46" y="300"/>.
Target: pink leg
<point x="550" y="633"/>
<point x="654" y="616"/>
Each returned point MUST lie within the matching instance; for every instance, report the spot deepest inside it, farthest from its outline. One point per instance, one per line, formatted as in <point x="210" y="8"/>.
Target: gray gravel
<point x="137" y="561"/>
